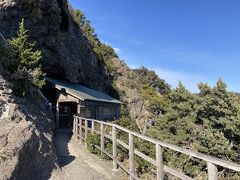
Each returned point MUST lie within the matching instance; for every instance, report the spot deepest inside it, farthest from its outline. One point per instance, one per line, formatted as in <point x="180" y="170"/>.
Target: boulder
<point x="26" y="146"/>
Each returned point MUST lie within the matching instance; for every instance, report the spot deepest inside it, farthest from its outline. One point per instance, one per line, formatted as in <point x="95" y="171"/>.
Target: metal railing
<point x="81" y="124"/>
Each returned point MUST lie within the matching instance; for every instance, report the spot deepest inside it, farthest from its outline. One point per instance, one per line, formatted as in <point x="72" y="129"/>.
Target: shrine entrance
<point x="66" y="113"/>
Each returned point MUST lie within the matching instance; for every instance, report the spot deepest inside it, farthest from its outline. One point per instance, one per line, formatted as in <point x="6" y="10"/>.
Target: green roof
<point x="82" y="92"/>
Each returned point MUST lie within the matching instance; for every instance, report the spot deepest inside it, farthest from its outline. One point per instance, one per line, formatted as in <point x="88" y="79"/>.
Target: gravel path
<point x="77" y="163"/>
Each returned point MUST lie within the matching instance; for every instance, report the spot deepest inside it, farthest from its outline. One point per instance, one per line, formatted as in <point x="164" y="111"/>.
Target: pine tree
<point x="28" y="59"/>
<point x="23" y="50"/>
<point x="218" y="112"/>
<point x="208" y="122"/>
<point x="177" y="126"/>
<point x="177" y="123"/>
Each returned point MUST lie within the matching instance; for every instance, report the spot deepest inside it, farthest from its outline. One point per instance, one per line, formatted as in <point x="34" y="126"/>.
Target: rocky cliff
<point x="26" y="148"/>
<point x="67" y="53"/>
<point x="129" y="94"/>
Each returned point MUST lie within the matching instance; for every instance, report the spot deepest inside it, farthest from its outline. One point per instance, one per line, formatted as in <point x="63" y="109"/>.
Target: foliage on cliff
<point x="103" y="52"/>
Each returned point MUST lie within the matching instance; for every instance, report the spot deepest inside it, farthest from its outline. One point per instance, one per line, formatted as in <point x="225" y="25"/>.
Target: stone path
<point x="77" y="163"/>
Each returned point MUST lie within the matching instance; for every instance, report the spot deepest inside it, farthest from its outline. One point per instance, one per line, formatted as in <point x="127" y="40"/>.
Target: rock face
<point x="129" y="94"/>
<point x="26" y="148"/>
<point x="66" y="51"/>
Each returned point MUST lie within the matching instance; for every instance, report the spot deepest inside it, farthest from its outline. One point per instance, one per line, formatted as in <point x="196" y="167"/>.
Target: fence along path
<point x="81" y="124"/>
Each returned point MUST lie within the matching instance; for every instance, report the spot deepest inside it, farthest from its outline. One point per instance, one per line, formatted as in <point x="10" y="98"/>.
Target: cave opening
<point x="64" y="22"/>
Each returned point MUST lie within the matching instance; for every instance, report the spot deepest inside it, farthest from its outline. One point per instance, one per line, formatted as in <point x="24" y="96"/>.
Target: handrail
<point x="211" y="161"/>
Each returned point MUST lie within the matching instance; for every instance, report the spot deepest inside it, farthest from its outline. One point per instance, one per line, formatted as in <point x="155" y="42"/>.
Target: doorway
<point x="66" y="113"/>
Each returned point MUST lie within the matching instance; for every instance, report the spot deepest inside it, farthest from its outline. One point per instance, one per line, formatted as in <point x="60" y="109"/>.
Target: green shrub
<point x="148" y="149"/>
<point x="92" y="140"/>
<point x="95" y="139"/>
<point x="127" y="123"/>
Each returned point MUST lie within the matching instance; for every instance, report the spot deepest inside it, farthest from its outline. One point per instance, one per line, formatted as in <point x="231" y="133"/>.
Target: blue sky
<point x="189" y="40"/>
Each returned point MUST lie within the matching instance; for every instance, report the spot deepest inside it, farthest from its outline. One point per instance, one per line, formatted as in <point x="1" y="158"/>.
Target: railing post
<point x="92" y="127"/>
<point x="74" y="126"/>
<point x="86" y="132"/>
<point x="159" y="161"/>
<point x="57" y="115"/>
<point x="80" y="131"/>
<point x="212" y="171"/>
<point x="114" y="146"/>
<point x="102" y="138"/>
<point x="131" y="156"/>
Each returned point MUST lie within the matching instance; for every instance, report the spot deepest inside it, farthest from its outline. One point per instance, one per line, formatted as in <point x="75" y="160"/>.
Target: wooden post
<point x="159" y="161"/>
<point x="86" y="132"/>
<point x="102" y="138"/>
<point x="74" y="126"/>
<point x="57" y="115"/>
<point x="114" y="146"/>
<point x="92" y="127"/>
<point x="73" y="130"/>
<point x="77" y="128"/>
<point x="212" y="171"/>
<point x="80" y="130"/>
<point x="79" y="108"/>
<point x="131" y="156"/>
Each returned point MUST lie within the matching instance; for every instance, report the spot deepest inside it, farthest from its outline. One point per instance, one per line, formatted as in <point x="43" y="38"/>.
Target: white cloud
<point x="172" y="77"/>
<point x="107" y="43"/>
<point x="133" y="66"/>
<point x="117" y="50"/>
<point x="190" y="81"/>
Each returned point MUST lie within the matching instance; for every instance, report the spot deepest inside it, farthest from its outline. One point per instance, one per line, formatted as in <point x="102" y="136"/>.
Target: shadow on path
<point x="61" y="142"/>
<point x="78" y="163"/>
